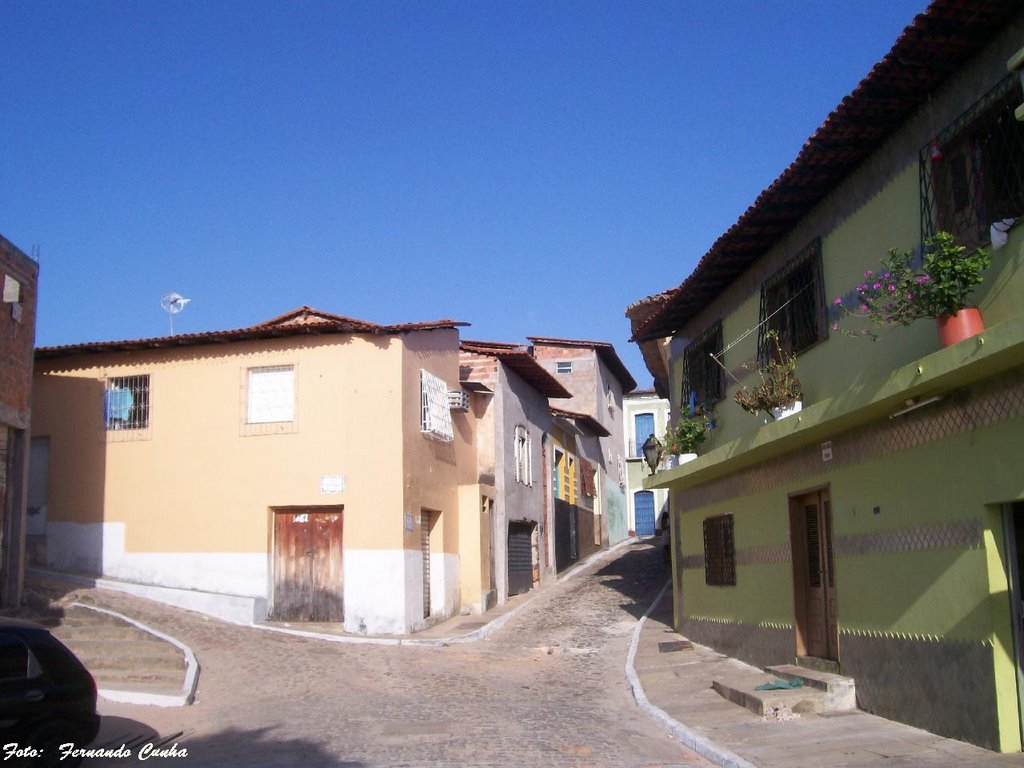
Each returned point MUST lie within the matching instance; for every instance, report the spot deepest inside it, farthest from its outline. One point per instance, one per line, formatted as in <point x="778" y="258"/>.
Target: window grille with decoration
<point x="701" y="374"/>
<point x="719" y="552"/>
<point x="435" y="416"/>
<point x="972" y="173"/>
<point x="793" y="305"/>
<point x="126" y="403"/>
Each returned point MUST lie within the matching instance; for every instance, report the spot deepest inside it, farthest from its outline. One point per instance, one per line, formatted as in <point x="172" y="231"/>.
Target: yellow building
<point x="302" y="468"/>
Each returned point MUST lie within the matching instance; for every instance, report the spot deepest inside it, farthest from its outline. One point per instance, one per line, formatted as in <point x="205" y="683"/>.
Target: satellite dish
<point x="173" y="303"/>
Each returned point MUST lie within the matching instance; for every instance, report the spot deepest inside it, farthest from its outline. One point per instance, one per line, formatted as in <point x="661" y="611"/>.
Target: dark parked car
<point x="47" y="698"/>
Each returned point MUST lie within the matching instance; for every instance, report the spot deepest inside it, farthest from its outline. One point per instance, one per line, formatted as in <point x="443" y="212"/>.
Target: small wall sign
<point x="332" y="483"/>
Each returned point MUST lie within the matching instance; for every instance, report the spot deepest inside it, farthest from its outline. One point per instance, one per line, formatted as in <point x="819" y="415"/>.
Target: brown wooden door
<point x="814" y="576"/>
<point x="307" y="565"/>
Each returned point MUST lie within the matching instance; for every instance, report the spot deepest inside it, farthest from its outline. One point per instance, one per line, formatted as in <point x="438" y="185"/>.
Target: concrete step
<point x="740" y="688"/>
<point x="840" y="692"/>
<point x="162" y="687"/>
<point x="109" y="633"/>
<point x="120" y="656"/>
<point x="115" y="678"/>
<point x="135" y="659"/>
<point x="819" y="692"/>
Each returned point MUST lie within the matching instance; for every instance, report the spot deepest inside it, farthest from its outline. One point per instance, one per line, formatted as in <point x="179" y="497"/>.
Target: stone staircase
<point x="129" y="662"/>
<point x="820" y="692"/>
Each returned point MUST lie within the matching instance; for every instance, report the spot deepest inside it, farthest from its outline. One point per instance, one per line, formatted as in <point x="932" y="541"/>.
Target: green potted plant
<point x="684" y="436"/>
<point x="780" y="391"/>
<point x="900" y="294"/>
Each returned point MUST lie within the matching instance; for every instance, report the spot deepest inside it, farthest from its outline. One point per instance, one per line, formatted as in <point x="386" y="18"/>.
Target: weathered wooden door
<point x="814" y="576"/>
<point x="308" y="565"/>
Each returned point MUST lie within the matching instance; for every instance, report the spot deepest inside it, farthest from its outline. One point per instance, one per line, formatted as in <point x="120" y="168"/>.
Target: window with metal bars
<point x="126" y="402"/>
<point x="719" y="552"/>
<point x="435" y="416"/>
<point x="793" y="305"/>
<point x="972" y="173"/>
<point x="701" y="374"/>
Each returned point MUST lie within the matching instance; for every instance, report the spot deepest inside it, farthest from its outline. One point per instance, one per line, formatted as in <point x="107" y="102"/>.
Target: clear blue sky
<point x="529" y="167"/>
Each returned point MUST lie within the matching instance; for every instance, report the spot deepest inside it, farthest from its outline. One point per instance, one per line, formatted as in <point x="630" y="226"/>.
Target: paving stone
<point x="548" y="689"/>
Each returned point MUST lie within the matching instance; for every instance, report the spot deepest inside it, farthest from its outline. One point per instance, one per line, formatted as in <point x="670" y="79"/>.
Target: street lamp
<point x="652" y="452"/>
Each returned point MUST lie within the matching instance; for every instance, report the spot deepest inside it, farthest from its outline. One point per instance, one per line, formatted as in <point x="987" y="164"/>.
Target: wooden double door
<point x="308" y="582"/>
<point x="814" y="575"/>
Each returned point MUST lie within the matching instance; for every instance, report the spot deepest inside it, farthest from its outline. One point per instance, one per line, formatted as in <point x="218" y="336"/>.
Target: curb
<point x="154" y="699"/>
<point x="699" y="744"/>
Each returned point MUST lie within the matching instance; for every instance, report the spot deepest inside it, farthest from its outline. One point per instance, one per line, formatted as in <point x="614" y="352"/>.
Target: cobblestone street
<point x="547" y="689"/>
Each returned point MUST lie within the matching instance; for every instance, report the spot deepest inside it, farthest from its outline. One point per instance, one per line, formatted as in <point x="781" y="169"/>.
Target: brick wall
<point x="17" y="335"/>
<point x="480" y="369"/>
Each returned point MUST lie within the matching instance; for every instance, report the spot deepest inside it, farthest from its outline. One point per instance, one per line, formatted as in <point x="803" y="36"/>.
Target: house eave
<point x="994" y="351"/>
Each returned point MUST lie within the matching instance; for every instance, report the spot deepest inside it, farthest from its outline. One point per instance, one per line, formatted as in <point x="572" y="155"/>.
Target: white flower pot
<point x="781" y="413"/>
<point x="673" y="460"/>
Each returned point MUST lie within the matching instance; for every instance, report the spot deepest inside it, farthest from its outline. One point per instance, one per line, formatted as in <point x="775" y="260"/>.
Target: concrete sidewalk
<point x="675" y="688"/>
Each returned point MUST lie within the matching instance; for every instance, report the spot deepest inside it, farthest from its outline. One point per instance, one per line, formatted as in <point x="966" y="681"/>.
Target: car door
<point x="22" y="688"/>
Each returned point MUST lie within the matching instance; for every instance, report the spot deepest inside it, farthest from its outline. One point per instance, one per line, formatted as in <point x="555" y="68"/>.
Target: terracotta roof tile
<point x="589" y="423"/>
<point x="301" y="321"/>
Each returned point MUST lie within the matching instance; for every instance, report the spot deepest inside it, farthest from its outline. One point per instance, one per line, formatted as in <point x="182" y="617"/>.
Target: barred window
<point x="522" y="454"/>
<point x="563" y="366"/>
<point x="719" y="552"/>
<point x="793" y="305"/>
<point x="972" y="174"/>
<point x="435" y="416"/>
<point x="126" y="402"/>
<point x="701" y="374"/>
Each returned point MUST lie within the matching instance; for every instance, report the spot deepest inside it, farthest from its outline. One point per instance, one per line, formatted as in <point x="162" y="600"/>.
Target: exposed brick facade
<point x="19" y="281"/>
<point x="17" y="336"/>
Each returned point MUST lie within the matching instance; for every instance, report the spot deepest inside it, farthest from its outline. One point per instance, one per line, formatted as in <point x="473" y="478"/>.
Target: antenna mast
<point x="173" y="303"/>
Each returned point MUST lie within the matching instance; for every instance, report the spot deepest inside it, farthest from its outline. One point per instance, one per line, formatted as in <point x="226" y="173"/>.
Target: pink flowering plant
<point x="899" y="293"/>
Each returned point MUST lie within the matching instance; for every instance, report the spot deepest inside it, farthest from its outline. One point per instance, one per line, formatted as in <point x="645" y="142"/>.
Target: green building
<point x="879" y="531"/>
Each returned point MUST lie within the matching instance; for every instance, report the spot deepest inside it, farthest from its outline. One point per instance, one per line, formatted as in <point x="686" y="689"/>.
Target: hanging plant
<point x="779" y="387"/>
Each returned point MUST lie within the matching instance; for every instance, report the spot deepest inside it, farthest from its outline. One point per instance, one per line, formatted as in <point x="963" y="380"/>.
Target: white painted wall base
<point x="98" y="549"/>
<point x="376" y="589"/>
<point x="237" y="609"/>
<point x="383" y="588"/>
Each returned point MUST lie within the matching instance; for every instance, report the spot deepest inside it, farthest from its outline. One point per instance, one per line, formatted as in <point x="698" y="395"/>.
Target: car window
<point x="16" y="661"/>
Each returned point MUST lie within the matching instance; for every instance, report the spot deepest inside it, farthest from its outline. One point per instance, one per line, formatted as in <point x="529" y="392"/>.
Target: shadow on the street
<point x="638" y="575"/>
<point x="135" y="742"/>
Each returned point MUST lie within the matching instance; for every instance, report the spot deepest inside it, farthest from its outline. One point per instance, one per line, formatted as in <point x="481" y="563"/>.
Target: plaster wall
<point x="519" y="404"/>
<point x="920" y="567"/>
<point x="430" y="477"/>
<point x="194" y="481"/>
